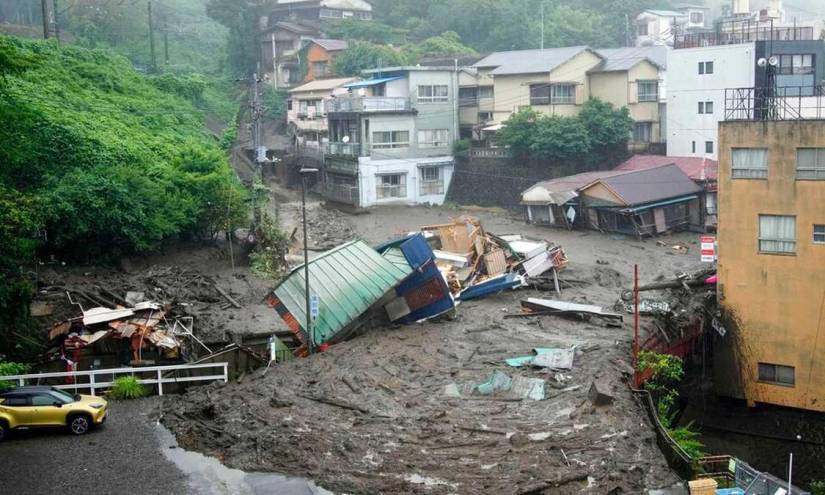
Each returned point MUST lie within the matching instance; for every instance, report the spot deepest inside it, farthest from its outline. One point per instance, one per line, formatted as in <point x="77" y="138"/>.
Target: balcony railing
<point x="351" y="149"/>
<point x="742" y="31"/>
<point x="367" y="104"/>
<point x="784" y="103"/>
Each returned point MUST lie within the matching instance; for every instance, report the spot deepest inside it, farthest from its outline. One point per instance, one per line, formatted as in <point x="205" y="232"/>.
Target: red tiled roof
<point x="697" y="168"/>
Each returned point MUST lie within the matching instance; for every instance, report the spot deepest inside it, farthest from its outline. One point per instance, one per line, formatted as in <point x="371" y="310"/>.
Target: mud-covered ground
<point x="371" y="415"/>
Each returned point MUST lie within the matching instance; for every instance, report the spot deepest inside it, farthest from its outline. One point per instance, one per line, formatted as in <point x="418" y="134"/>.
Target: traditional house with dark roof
<point x="636" y="202"/>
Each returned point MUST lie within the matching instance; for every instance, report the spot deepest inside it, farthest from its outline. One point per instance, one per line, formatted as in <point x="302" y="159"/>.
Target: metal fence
<point x="742" y="31"/>
<point x="342" y="193"/>
<point x="104" y="378"/>
<point x="732" y="471"/>
<point x="783" y="103"/>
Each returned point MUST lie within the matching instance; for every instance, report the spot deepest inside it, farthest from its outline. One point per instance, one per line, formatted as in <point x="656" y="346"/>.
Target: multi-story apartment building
<point x="558" y="81"/>
<point x="702" y="65"/>
<point x="771" y="237"/>
<point x="391" y="138"/>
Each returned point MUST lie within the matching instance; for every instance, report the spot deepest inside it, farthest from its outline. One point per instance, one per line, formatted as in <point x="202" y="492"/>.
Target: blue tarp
<point x="371" y="82"/>
<point x="492" y="286"/>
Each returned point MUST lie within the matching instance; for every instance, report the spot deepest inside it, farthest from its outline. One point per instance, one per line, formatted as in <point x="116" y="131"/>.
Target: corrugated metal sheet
<point x="348" y="280"/>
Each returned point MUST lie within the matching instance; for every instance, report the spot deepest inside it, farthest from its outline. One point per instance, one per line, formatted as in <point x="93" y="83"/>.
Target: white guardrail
<point x="94" y="385"/>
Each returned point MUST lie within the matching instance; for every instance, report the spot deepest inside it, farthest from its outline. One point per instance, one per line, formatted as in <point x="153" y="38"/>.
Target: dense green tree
<point x="446" y="44"/>
<point x="597" y="133"/>
<point x="98" y="161"/>
<point x="374" y="31"/>
<point x="363" y="55"/>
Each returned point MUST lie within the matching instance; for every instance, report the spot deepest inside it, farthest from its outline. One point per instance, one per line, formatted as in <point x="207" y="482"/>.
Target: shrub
<point x="127" y="387"/>
<point x="9" y="368"/>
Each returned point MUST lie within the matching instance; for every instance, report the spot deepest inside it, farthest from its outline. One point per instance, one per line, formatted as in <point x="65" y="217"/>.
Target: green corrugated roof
<point x="348" y="280"/>
<point x="397" y="258"/>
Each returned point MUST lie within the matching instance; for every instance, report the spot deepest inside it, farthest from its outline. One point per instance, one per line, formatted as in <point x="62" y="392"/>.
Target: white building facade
<point x="697" y="81"/>
<point x="391" y="138"/>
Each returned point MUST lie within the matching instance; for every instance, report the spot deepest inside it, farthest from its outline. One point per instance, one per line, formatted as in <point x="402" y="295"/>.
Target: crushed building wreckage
<point x="416" y="277"/>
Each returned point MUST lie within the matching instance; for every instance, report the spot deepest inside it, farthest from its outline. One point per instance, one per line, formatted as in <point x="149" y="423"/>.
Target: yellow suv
<point x="32" y="407"/>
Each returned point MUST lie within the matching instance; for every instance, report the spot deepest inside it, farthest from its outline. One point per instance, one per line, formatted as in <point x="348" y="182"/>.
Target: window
<point x="777" y="234"/>
<point x="331" y="14"/>
<point x="708" y="146"/>
<point x="390" y="139"/>
<point x="641" y="29"/>
<point x="563" y="94"/>
<point x="468" y="97"/>
<point x="485" y="116"/>
<point x="796" y="64"/>
<point x="642" y="132"/>
<point x="43" y="400"/>
<point x="648" y="90"/>
<point x="777" y="374"/>
<point x="433" y="138"/>
<point x="705" y="67"/>
<point x="320" y="69"/>
<point x="16" y="401"/>
<point x="433" y="94"/>
<point x="364" y="16"/>
<point x="697" y="17"/>
<point x="749" y="163"/>
<point x="705" y="107"/>
<point x="693" y="146"/>
<point x="485" y="92"/>
<point x="539" y="94"/>
<point x="810" y="163"/>
<point x="392" y="186"/>
<point x="289" y="105"/>
<point x="431" y="181"/>
<point x="819" y="234"/>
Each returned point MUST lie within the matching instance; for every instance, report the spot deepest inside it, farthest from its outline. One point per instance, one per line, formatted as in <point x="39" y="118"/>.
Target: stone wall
<point x="499" y="181"/>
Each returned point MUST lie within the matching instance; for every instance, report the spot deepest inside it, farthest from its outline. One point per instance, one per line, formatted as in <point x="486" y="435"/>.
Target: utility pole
<point x="256" y="143"/>
<point x="152" y="38"/>
<point x="542" y="25"/>
<point x="165" y="41"/>
<point x="44" y="5"/>
<point x="626" y="30"/>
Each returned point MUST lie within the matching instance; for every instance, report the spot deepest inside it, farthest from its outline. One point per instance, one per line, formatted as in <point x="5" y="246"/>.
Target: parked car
<point x="33" y="407"/>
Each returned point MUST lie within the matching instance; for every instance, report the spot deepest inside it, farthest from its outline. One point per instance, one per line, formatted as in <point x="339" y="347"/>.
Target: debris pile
<point x="417" y="277"/>
<point x="476" y="263"/>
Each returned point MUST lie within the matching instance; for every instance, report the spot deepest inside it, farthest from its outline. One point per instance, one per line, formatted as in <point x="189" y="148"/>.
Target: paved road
<point x="130" y="454"/>
<point x="124" y="456"/>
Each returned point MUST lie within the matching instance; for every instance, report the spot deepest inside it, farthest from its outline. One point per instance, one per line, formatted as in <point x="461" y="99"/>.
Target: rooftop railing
<point x="783" y="103"/>
<point x="742" y="31"/>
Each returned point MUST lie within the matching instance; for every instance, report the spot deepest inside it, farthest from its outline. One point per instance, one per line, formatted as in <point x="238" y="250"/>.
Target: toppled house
<point x="417" y="277"/>
<point x="348" y="281"/>
<point x="702" y="170"/>
<point x="636" y="202"/>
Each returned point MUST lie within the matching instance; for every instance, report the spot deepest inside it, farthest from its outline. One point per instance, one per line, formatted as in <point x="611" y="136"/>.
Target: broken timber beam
<point x="226" y="296"/>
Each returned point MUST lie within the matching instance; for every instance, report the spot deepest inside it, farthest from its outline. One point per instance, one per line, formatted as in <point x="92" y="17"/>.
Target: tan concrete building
<point x="770" y="348"/>
<point x="558" y="81"/>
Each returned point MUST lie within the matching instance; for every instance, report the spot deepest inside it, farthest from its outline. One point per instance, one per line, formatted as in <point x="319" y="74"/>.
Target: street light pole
<point x="308" y="323"/>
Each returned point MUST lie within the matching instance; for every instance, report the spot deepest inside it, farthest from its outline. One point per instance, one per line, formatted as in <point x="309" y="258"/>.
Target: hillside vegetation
<point x="99" y="161"/>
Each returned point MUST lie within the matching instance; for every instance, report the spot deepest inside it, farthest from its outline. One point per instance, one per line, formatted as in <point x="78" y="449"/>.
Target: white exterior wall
<point x="370" y="169"/>
<point x="733" y="67"/>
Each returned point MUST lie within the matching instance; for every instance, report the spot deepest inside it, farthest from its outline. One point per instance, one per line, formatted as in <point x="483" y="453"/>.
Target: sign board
<point x="314" y="305"/>
<point x="273" y="349"/>
<point x="708" y="248"/>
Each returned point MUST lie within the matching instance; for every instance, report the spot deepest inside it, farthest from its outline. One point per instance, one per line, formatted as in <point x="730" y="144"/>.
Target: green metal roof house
<point x="348" y="280"/>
